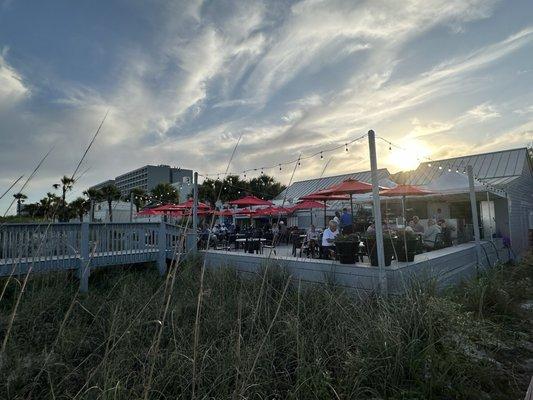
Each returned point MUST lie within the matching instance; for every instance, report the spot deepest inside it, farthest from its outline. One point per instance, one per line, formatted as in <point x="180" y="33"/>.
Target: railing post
<point x="84" y="268"/>
<point x="162" y="256"/>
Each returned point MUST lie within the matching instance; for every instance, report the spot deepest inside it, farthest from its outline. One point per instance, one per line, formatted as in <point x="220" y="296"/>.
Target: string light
<point x="346" y="146"/>
<point x="321" y="156"/>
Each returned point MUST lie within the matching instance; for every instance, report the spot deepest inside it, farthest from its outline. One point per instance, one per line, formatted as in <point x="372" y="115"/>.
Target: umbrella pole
<point x="404" y="226"/>
<point x="325" y="223"/>
<point x="351" y="203"/>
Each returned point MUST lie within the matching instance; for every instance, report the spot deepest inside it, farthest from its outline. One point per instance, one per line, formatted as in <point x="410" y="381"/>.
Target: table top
<point x="251" y="240"/>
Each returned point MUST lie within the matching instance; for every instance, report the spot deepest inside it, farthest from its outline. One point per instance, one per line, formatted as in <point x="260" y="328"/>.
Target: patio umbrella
<point x="249" y="201"/>
<point x="349" y="186"/>
<point x="164" y="208"/>
<point x="403" y="191"/>
<point x="225" y="213"/>
<point x="189" y="204"/>
<point x="324" y="197"/>
<point x="307" y="205"/>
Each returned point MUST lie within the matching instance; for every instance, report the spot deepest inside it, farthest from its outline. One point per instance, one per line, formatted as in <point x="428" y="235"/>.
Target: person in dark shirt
<point x="346" y="222"/>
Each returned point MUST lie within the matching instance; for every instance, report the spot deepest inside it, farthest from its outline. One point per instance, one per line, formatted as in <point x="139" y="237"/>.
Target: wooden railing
<point x="26" y="248"/>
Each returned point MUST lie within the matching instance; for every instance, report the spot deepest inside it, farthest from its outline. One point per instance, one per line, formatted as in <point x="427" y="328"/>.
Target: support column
<point x="377" y="212"/>
<point x="473" y="206"/>
<point x="194" y="234"/>
<point x="162" y="242"/>
<point x="84" y="270"/>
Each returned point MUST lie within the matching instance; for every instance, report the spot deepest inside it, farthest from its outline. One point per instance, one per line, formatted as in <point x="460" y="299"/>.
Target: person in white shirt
<point x="430" y="234"/>
<point x="337" y="217"/>
<point x="328" y="247"/>
<point x="312" y="234"/>
<point x="410" y="228"/>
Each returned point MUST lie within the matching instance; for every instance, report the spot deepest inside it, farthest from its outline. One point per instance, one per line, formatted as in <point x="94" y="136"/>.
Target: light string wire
<point x="441" y="165"/>
<point x="289" y="162"/>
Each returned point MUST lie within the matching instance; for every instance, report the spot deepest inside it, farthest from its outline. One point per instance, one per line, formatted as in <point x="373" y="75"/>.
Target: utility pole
<point x="195" y="214"/>
<point x="377" y="212"/>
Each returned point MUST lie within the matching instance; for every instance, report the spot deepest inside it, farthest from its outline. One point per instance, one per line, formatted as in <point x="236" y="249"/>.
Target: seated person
<point x="312" y="239"/>
<point x="312" y="234"/>
<point x="328" y="247"/>
<point x="446" y="232"/>
<point x="418" y="228"/>
<point x="410" y="228"/>
<point x="430" y="234"/>
<point x="371" y="228"/>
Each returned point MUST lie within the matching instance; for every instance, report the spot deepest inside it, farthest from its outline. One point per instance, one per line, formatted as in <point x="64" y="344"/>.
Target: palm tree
<point x="110" y="193"/>
<point x="139" y="197"/>
<point x="49" y="204"/>
<point x="166" y="193"/>
<point x="65" y="184"/>
<point x="94" y="196"/>
<point x="80" y="206"/>
<point x="20" y="197"/>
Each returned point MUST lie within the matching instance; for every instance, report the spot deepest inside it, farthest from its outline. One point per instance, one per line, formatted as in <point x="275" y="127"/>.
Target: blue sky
<point x="183" y="80"/>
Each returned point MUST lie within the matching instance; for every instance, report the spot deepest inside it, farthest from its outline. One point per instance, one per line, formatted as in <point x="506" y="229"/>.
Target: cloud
<point x="12" y="87"/>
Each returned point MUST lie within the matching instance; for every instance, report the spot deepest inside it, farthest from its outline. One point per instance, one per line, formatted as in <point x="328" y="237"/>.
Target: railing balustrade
<point x="77" y="245"/>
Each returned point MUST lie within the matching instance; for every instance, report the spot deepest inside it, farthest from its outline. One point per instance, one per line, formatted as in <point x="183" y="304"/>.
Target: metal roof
<point x="498" y="168"/>
<point x="302" y="188"/>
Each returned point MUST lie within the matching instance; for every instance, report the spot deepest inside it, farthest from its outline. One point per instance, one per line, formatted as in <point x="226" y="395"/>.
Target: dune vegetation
<point x="221" y="336"/>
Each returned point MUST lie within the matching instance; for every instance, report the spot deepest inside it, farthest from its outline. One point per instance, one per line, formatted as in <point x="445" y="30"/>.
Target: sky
<point x="183" y="81"/>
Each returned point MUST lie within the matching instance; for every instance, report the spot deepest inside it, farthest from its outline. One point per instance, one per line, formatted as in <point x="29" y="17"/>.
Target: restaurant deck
<point x="446" y="266"/>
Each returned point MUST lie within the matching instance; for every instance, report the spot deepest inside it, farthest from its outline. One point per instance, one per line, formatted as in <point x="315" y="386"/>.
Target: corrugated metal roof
<point x="495" y="168"/>
<point x="498" y="169"/>
<point x="302" y="188"/>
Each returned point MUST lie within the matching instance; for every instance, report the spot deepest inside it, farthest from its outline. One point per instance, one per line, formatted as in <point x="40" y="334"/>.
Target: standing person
<point x="329" y="235"/>
<point x="283" y="232"/>
<point x="418" y="228"/>
<point x="438" y="216"/>
<point x="337" y="218"/>
<point x="346" y="222"/>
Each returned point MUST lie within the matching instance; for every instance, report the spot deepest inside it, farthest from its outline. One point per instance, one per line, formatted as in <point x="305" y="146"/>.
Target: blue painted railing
<point x="34" y="247"/>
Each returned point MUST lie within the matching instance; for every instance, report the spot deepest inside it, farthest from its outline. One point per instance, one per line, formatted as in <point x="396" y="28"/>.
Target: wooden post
<point x="84" y="268"/>
<point x="473" y="206"/>
<point x="162" y="242"/>
<point x="382" y="287"/>
<point x="194" y="235"/>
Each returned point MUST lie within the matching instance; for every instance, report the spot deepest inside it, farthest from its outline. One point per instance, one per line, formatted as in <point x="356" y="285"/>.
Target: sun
<point x="411" y="154"/>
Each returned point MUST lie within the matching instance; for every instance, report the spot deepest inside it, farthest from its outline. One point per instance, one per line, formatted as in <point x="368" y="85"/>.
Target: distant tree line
<point x="55" y="206"/>
<point x="232" y="187"/>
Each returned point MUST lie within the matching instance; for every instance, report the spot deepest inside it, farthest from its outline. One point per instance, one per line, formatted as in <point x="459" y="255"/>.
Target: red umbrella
<point x="404" y="190"/>
<point x="324" y="197"/>
<point x="163" y="208"/>
<point x="249" y="201"/>
<point x="189" y="204"/>
<point x="351" y="187"/>
<point x="307" y="205"/>
<point x="272" y="211"/>
<point x="225" y="213"/>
